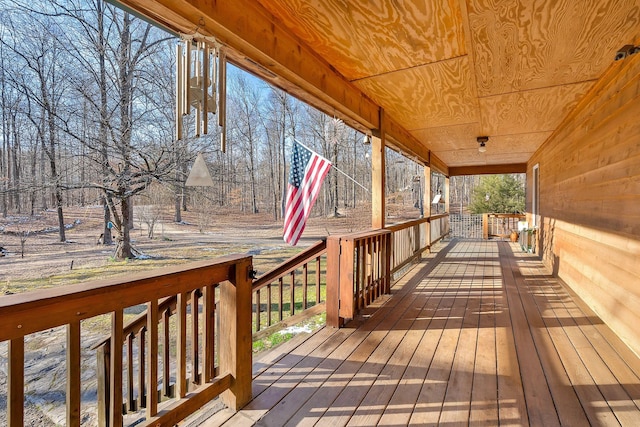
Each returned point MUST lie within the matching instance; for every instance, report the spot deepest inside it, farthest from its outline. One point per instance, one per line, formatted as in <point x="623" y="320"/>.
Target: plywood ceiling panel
<point x="446" y="71"/>
<point x="454" y="137"/>
<point x="530" y="111"/>
<point x="439" y="94"/>
<point x="365" y="38"/>
<point x="520" y="45"/>
<point x="500" y="149"/>
<point x="473" y="158"/>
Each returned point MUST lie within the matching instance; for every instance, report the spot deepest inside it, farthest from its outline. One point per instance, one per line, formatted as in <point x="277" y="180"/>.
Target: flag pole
<point x="335" y="167"/>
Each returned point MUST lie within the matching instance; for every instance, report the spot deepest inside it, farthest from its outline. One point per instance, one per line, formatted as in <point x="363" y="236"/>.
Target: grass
<point x="285" y="335"/>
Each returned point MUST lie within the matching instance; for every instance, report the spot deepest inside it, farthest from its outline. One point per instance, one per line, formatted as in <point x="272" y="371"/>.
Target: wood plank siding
<point x="590" y="199"/>
<point x="478" y="334"/>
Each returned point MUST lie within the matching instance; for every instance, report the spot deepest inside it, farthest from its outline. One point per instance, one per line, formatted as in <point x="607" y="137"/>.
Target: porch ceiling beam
<point x="488" y="169"/>
<point x="263" y="46"/>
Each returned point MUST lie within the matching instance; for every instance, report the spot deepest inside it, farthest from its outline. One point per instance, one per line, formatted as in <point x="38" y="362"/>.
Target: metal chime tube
<point x="197" y="85"/>
<point x="222" y="104"/>
<point x="214" y="79"/>
<point x="187" y="77"/>
<point x="201" y="83"/>
<point x="179" y="91"/>
<point x="206" y="77"/>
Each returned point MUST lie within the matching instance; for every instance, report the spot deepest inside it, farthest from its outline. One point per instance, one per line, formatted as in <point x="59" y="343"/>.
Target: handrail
<point x="407" y="224"/>
<point x="291" y="264"/>
<point x="31" y="312"/>
<point x="439" y="216"/>
<point x="72" y="303"/>
<point x="296" y="267"/>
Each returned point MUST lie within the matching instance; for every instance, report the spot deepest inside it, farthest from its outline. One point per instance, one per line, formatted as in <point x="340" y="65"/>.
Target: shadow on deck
<point x="479" y="333"/>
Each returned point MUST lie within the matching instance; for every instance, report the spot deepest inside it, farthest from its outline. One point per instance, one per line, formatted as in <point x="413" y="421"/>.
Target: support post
<point x="447" y="199"/>
<point x="426" y="193"/>
<point x="235" y="335"/>
<point x="485" y="226"/>
<point x="426" y="203"/>
<point x="333" y="282"/>
<point x="378" y="208"/>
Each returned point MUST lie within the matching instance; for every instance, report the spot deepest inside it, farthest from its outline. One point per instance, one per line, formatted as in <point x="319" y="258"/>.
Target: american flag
<point x="308" y="170"/>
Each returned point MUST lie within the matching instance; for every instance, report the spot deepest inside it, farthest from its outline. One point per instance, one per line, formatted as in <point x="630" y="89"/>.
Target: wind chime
<point x="201" y="85"/>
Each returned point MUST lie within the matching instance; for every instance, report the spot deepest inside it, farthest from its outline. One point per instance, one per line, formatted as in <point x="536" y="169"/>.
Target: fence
<point x="466" y="226"/>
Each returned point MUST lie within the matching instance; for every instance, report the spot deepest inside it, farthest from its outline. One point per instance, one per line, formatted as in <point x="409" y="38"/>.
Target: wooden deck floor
<point x="480" y="334"/>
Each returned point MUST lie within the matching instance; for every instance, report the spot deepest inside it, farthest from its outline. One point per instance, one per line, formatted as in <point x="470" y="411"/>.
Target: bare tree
<point x="42" y="83"/>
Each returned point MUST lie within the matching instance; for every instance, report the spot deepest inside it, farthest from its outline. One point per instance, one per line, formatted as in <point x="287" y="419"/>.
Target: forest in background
<point x="87" y="95"/>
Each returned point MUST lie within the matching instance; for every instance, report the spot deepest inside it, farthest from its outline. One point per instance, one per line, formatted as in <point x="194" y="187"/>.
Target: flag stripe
<point x="308" y="170"/>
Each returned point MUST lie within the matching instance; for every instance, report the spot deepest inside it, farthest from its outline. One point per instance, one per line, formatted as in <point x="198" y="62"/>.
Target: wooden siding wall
<point x="590" y="199"/>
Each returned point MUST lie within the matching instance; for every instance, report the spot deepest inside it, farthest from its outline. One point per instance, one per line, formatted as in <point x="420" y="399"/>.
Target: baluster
<point x="358" y="274"/>
<point x="366" y="272"/>
<point x="130" y="398"/>
<point x="166" y="367"/>
<point x="103" y="366"/>
<point x="305" y="283"/>
<point x="195" y="365"/>
<point x="318" y="280"/>
<point x="115" y="387"/>
<point x="269" y="304"/>
<point x="372" y="270"/>
<point x="208" y="344"/>
<point x="372" y="282"/>
<point x="181" y="365"/>
<point x="257" y="310"/>
<point x="142" y="357"/>
<point x="376" y="288"/>
<point x="280" y="293"/>
<point x="73" y="374"/>
<point x="15" y="390"/>
<point x="366" y="286"/>
<point x="292" y="305"/>
<point x="152" y="358"/>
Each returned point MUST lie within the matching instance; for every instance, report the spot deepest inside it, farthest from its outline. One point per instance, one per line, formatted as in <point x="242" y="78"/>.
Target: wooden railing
<point x="294" y="287"/>
<point x="275" y="303"/>
<point x="199" y="293"/>
<point x="410" y="239"/>
<point x="439" y="227"/>
<point x="360" y="265"/>
<point x="500" y="225"/>
<point x="193" y="341"/>
<point x="358" y="272"/>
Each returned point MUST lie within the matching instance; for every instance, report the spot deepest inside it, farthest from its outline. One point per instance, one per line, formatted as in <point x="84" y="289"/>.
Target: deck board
<point x="479" y="334"/>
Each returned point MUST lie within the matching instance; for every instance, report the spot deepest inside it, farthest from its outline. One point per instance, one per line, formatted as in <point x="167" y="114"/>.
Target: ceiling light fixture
<point x="626" y="50"/>
<point x="482" y="140"/>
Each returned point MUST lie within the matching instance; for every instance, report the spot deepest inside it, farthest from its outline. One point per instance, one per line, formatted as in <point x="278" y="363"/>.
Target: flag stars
<point x="301" y="157"/>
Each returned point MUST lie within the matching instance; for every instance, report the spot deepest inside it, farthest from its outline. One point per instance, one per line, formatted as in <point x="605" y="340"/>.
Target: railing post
<point x="235" y="335"/>
<point x="485" y="226"/>
<point x="348" y="292"/>
<point x="333" y="282"/>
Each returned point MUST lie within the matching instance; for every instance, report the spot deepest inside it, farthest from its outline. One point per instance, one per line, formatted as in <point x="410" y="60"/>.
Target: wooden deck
<point x="479" y="334"/>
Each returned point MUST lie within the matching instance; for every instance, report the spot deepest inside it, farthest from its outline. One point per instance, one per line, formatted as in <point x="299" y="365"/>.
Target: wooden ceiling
<point x="446" y="71"/>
